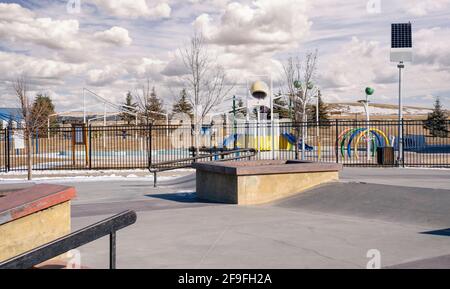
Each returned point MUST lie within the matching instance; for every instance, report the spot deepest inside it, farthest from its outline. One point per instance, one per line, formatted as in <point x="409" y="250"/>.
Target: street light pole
<point x="368" y="127"/>
<point x="366" y="103"/>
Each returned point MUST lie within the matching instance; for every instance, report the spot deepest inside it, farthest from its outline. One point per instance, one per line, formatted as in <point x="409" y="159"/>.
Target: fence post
<point x="4" y="149"/>
<point x="403" y="142"/>
<point x="337" y="142"/>
<point x="8" y="150"/>
<point x="90" y="146"/>
<point x="194" y="142"/>
<point x="150" y="129"/>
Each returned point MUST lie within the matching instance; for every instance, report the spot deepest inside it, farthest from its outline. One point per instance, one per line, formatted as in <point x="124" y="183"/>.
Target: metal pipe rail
<point x="155" y="170"/>
<point x="74" y="240"/>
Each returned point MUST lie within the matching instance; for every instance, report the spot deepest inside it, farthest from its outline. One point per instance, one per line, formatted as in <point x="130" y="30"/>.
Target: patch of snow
<point x="358" y="109"/>
<point x="83" y="179"/>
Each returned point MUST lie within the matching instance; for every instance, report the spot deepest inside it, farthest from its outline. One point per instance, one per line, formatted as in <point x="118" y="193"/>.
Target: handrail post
<point x="112" y="250"/>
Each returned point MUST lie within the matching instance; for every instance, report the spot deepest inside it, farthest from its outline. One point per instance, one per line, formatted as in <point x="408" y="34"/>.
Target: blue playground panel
<point x="418" y="144"/>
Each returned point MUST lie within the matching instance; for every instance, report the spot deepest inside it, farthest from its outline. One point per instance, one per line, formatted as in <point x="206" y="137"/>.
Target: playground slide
<point x="291" y="140"/>
<point x="229" y="141"/>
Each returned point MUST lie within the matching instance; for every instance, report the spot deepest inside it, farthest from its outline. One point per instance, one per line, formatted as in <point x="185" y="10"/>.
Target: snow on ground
<point x="359" y="109"/>
<point x="88" y="176"/>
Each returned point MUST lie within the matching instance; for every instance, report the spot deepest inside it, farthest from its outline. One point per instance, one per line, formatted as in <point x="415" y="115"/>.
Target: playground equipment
<point x="352" y="136"/>
<point x="291" y="139"/>
<point x="284" y="141"/>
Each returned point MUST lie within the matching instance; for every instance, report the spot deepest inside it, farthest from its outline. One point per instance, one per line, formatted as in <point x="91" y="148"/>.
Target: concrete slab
<point x="403" y="213"/>
<point x="263" y="237"/>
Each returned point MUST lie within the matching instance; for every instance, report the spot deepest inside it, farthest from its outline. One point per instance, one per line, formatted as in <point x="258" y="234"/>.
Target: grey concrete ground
<point x="405" y="214"/>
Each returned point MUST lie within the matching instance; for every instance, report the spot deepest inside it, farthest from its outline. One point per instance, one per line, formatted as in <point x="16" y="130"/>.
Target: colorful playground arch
<point x="354" y="135"/>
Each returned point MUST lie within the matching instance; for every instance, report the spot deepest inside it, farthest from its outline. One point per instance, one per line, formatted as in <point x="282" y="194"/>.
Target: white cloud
<point x="25" y="27"/>
<point x="12" y="65"/>
<point x="432" y="46"/>
<point x="117" y="35"/>
<point x="135" y="8"/>
<point x="357" y="64"/>
<point x="128" y="41"/>
<point x="18" y="24"/>
<point x="424" y="7"/>
<point x="265" y="26"/>
<point x="246" y="36"/>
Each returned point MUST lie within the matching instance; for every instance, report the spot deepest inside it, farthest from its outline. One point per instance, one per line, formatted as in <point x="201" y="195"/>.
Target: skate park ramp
<point x="399" y="204"/>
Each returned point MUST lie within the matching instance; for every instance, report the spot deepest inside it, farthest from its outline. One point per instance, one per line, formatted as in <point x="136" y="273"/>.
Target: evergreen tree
<point x="155" y="106"/>
<point x="324" y="118"/>
<point x="41" y="110"/>
<point x="131" y="107"/>
<point x="183" y="105"/>
<point x="437" y="122"/>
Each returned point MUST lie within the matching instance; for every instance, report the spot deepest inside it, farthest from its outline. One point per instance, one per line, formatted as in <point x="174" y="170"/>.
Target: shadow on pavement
<point x="443" y="232"/>
<point x="188" y="197"/>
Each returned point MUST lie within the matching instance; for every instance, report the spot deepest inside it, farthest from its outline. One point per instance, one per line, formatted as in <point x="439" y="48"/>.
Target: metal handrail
<point x="74" y="240"/>
<point x="253" y="151"/>
<point x="154" y="169"/>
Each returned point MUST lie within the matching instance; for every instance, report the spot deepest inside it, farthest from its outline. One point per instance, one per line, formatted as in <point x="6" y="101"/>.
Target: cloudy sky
<point x="112" y="46"/>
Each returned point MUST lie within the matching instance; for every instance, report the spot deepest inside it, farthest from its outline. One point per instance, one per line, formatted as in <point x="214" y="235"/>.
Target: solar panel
<point x="401" y="35"/>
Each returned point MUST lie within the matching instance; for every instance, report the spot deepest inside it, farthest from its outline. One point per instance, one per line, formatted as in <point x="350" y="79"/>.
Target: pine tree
<point x="128" y="117"/>
<point x="437" y="122"/>
<point x="41" y="110"/>
<point x="183" y="105"/>
<point x="155" y="106"/>
<point x="323" y="112"/>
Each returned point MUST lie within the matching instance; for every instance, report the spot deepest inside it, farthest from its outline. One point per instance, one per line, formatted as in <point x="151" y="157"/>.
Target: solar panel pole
<point x="400" y="66"/>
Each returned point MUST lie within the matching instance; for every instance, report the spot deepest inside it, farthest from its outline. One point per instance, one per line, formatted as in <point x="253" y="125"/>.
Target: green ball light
<point x="310" y="85"/>
<point x="370" y="91"/>
<point x="297" y="84"/>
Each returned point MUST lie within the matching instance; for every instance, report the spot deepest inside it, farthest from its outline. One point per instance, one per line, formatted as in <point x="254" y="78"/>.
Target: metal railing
<point x="219" y="156"/>
<point x="143" y="147"/>
<point x="74" y="240"/>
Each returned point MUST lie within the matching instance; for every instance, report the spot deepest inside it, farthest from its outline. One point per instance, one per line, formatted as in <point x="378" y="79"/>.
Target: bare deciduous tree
<point x="299" y="77"/>
<point x="206" y="84"/>
<point x="31" y="120"/>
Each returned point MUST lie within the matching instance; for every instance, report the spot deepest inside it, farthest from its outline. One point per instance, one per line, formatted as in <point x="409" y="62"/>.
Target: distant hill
<point x="350" y="109"/>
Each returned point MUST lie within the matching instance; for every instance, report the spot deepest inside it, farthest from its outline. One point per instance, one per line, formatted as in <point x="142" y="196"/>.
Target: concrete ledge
<point x="18" y="203"/>
<point x="267" y="167"/>
<point x="259" y="182"/>
<point x="32" y="217"/>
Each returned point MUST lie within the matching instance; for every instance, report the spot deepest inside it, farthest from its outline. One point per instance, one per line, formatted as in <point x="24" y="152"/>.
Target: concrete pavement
<point x="404" y="214"/>
<point x="332" y="226"/>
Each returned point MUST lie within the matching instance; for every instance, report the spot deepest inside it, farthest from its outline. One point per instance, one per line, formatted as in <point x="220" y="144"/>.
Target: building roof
<point x="8" y="114"/>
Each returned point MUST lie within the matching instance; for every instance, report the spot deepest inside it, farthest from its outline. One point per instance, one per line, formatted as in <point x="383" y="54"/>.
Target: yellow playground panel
<point x="264" y="143"/>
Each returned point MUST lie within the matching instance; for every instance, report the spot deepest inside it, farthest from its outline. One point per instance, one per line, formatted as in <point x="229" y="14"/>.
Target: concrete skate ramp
<point x="418" y="206"/>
